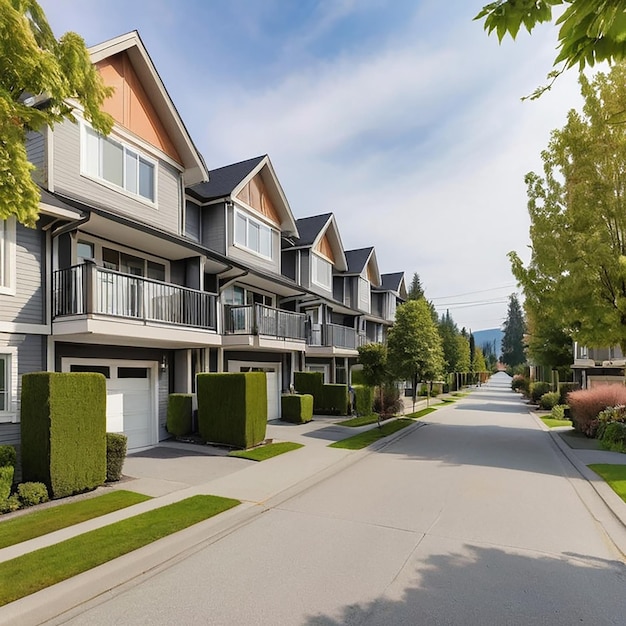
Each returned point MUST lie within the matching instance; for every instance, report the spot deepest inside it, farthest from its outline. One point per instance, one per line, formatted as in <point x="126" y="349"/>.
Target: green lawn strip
<point x="43" y="521"/>
<point x="447" y="400"/>
<point x="362" y="440"/>
<point x="421" y="413"/>
<point x="42" y="568"/>
<point x="615" y="476"/>
<point x="550" y="422"/>
<point x="267" y="451"/>
<point x="363" y="420"/>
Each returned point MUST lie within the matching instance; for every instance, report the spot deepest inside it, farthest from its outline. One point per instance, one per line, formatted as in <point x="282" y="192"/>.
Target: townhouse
<point x="149" y="268"/>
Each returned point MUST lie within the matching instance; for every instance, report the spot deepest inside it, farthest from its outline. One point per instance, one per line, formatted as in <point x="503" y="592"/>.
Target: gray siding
<point x="305" y="268"/>
<point x="213" y="223"/>
<point x="68" y="180"/>
<point x="289" y="264"/>
<point x="36" y="152"/>
<point x="27" y="305"/>
<point x="192" y="220"/>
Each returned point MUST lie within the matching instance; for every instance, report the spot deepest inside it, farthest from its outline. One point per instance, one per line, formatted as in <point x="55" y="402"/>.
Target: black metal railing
<point x="258" y="319"/>
<point x="335" y="335"/>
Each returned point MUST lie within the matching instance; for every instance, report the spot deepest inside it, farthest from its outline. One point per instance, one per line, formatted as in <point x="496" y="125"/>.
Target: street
<point x="471" y="518"/>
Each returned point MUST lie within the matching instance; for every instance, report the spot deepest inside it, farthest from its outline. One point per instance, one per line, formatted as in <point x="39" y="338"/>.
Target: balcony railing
<point x="257" y="319"/>
<point x="87" y="289"/>
<point x="335" y="335"/>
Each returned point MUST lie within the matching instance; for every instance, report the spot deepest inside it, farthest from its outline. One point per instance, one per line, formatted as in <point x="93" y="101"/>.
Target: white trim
<point x="24" y="328"/>
<point x="50" y="158"/>
<point x="8" y="256"/>
<point x="325" y="259"/>
<point x="250" y="218"/>
<point x="11" y="415"/>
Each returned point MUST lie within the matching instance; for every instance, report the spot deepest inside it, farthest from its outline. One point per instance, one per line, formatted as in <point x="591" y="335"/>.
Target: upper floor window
<point x="364" y="295"/>
<point x="253" y="235"/>
<point x="7" y="255"/>
<point x="322" y="271"/>
<point x="117" y="164"/>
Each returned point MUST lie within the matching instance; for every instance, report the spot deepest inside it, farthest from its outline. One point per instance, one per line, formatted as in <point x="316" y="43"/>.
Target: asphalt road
<point x="474" y="518"/>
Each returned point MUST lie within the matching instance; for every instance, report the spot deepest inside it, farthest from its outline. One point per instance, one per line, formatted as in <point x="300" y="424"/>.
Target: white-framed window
<point x="253" y="235"/>
<point x="117" y="164"/>
<point x="8" y="384"/>
<point x="7" y="256"/>
<point x="364" y="294"/>
<point x="321" y="271"/>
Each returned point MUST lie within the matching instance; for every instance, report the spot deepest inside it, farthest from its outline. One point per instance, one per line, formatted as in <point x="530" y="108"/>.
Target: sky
<point x="402" y="118"/>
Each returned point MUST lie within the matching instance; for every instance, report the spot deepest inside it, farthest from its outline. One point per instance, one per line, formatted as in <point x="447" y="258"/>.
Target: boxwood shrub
<point x="116" y="455"/>
<point x="232" y="408"/>
<point x="6" y="481"/>
<point x="179" y="412"/>
<point x="537" y="390"/>
<point x="7" y="456"/>
<point x="63" y="431"/>
<point x="363" y="399"/>
<point x="335" y="399"/>
<point x="31" y="494"/>
<point x="297" y="408"/>
<point x="310" y="383"/>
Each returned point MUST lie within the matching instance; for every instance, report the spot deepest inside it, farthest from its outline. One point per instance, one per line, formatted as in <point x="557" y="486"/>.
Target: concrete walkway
<point x="173" y="471"/>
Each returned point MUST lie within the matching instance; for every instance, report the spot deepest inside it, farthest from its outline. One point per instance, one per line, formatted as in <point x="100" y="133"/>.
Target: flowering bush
<point x="586" y="404"/>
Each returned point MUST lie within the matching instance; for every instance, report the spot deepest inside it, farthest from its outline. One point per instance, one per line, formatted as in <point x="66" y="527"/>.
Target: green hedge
<point x="179" y="412"/>
<point x="357" y="377"/>
<point x="116" y="455"/>
<point x="310" y="383"/>
<point x="335" y="399"/>
<point x="6" y="481"/>
<point x="7" y="456"/>
<point x="297" y="408"/>
<point x="63" y="430"/>
<point x="232" y="408"/>
<point x="363" y="399"/>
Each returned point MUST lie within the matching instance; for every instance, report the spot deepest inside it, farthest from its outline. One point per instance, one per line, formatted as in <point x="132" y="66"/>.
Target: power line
<point x="473" y="303"/>
<point x="469" y="293"/>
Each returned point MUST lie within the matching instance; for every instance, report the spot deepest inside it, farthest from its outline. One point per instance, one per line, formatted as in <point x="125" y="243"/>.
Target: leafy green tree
<point x="415" y="291"/>
<point x="479" y="365"/>
<point x="414" y="345"/>
<point x="590" y="31"/>
<point x="576" y="276"/>
<point x="451" y="350"/>
<point x="373" y="358"/>
<point x="513" y="337"/>
<point x="39" y="76"/>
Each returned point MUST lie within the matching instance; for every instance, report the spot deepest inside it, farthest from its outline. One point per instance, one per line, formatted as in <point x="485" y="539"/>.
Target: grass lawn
<point x="42" y="568"/>
<point x="43" y="521"/>
<point x="447" y="400"/>
<point x="362" y="420"/>
<point x="362" y="440"/>
<point x="550" y="422"/>
<point x="267" y="451"/>
<point x="615" y="476"/>
<point x="421" y="413"/>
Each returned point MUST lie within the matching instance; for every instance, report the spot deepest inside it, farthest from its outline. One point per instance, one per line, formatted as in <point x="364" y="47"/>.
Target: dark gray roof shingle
<point x="356" y="259"/>
<point x="310" y="227"/>
<point x="223" y="180"/>
<point x="391" y="282"/>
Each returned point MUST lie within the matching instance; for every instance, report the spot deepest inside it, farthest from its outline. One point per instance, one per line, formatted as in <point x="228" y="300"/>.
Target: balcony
<point x="334" y="336"/>
<point x="84" y="290"/>
<point x="257" y="319"/>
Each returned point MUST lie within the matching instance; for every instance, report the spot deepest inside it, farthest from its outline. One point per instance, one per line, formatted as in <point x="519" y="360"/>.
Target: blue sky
<point x="403" y="118"/>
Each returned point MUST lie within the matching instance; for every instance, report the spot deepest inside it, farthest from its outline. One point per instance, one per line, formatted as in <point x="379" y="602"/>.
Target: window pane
<point x="112" y="162"/>
<point x="131" y="171"/>
<point x="253" y="236"/>
<point x="3" y="383"/>
<point x="91" y="157"/>
<point x="265" y="247"/>
<point x="84" y="251"/>
<point x="132" y="372"/>
<point x="156" y="271"/>
<point x="146" y="179"/>
<point x="111" y="259"/>
<point x="132" y="264"/>
<point x="98" y="369"/>
<point x="241" y="224"/>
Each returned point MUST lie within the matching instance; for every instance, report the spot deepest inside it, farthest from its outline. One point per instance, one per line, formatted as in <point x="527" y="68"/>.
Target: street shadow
<point x="485" y="585"/>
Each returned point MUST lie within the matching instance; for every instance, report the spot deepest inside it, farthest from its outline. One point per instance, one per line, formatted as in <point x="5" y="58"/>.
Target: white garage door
<point x="272" y="376"/>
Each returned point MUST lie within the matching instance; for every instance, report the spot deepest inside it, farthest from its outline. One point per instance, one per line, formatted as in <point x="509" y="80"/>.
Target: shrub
<point x="63" y="430"/>
<point x="7" y="456"/>
<point x="10" y="504"/>
<point x="565" y="389"/>
<point x="296" y="408"/>
<point x="179" y="412"/>
<point x="614" y="437"/>
<point x="31" y="494"/>
<point x="232" y="408"/>
<point x="310" y="383"/>
<point x="609" y="415"/>
<point x="537" y="390"/>
<point x="116" y="455"/>
<point x="363" y="399"/>
<point x="6" y="481"/>
<point x="520" y="383"/>
<point x="392" y="403"/>
<point x="558" y="412"/>
<point x="357" y="378"/>
<point x="586" y="404"/>
<point x="335" y="399"/>
<point x="549" y="400"/>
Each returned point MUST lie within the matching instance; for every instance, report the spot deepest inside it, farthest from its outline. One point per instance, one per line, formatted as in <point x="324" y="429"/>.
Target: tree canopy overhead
<point x="39" y="77"/>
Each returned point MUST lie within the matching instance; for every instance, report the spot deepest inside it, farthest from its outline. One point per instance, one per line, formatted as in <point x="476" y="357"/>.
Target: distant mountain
<point x="489" y="336"/>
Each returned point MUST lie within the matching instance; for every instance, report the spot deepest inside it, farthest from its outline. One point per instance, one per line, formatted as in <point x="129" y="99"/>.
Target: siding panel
<point x="36" y="152"/>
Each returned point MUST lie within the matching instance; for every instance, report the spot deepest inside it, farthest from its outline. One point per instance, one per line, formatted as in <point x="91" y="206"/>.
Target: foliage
<point x="449" y="334"/>
<point x="415" y="291"/>
<point x="10" y="504"/>
<point x="537" y="389"/>
<point x="586" y="404"/>
<point x="362" y="420"/>
<point x="374" y="358"/>
<point x="310" y="383"/>
<point x="464" y="362"/>
<point x="364" y="439"/>
<point x="421" y="413"/>
<point x="577" y="270"/>
<point x="547" y="343"/>
<point x="232" y="408"/>
<point x="179" y="412"/>
<point x="296" y="408"/>
<point x="590" y="32"/>
<point x="63" y="431"/>
<point x="335" y="399"/>
<point x="549" y="400"/>
<point x="363" y="399"/>
<point x="558" y="411"/>
<point x="391" y="401"/>
<point x="520" y="383"/>
<point x="609" y="415"/>
<point x="479" y="364"/>
<point x="550" y="422"/>
<point x="268" y="451"/>
<point x="39" y="75"/>
<point x="47" y="566"/>
<point x="565" y="389"/>
<point x="6" y="481"/>
<point x="116" y="455"/>
<point x="7" y="455"/>
<point x="614" y="437"/>
<point x="513" y="337"/>
<point x="31" y="494"/>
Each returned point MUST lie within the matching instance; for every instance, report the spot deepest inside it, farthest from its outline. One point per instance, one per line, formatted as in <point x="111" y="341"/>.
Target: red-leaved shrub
<point x="587" y="403"/>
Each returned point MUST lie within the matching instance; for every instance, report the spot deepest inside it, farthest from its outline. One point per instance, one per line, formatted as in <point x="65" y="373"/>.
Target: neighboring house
<point x="598" y="366"/>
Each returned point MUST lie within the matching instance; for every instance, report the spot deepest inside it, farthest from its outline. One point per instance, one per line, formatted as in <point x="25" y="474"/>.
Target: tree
<point x="39" y="77"/>
<point x="448" y="332"/>
<point x="576" y="276"/>
<point x="373" y="358"/>
<point x="591" y="31"/>
<point x="513" y="338"/>
<point x="414" y="345"/>
<point x="415" y="288"/>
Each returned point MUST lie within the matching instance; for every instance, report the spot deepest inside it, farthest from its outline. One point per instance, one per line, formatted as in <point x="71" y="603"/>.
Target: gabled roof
<point x="195" y="168"/>
<point x="393" y="282"/>
<point x="226" y="182"/>
<point x="359" y="259"/>
<point x="312" y="229"/>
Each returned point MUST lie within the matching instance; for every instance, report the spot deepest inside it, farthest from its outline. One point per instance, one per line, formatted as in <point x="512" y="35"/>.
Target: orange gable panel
<point x="324" y="247"/>
<point x="255" y="195"/>
<point x="130" y="106"/>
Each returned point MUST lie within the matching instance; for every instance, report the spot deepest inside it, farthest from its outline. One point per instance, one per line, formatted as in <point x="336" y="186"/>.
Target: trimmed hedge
<point x="232" y="408"/>
<point x="31" y="494"/>
<point x="63" y="430"/>
<point x="297" y="408"/>
<point x="6" y="481"/>
<point x="179" y="412"/>
<point x="335" y="399"/>
<point x="310" y="383"/>
<point x="8" y="456"/>
<point x="116" y="455"/>
<point x="357" y="377"/>
<point x="363" y="399"/>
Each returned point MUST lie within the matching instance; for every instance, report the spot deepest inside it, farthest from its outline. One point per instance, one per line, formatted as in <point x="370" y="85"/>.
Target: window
<point x="118" y="164"/>
<point x="322" y="271"/>
<point x="5" y="382"/>
<point x="7" y="255"/>
<point x="134" y="265"/>
<point x="253" y="235"/>
<point x="364" y="295"/>
<point x="8" y="384"/>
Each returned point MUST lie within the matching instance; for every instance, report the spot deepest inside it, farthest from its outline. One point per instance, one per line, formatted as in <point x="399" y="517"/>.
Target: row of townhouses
<point x="149" y="268"/>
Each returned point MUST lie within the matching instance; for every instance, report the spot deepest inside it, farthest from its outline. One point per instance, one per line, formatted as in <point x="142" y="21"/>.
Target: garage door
<point x="272" y="377"/>
<point x="129" y="399"/>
